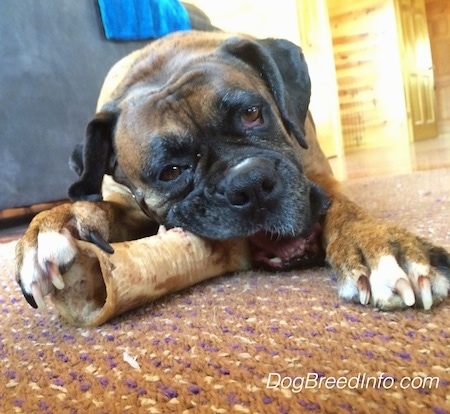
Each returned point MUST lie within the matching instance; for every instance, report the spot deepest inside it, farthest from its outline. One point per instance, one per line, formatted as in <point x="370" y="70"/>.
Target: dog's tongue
<point x="281" y="253"/>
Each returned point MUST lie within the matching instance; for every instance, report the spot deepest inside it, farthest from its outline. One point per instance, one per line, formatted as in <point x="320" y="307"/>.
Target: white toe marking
<point x="347" y="289"/>
<point x="440" y="285"/>
<point x="56" y="248"/>
<point x="384" y="278"/>
<point x="52" y="247"/>
<point x="415" y="270"/>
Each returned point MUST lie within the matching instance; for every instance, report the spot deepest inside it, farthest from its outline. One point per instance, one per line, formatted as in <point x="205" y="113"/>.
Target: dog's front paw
<point x="387" y="266"/>
<point x="47" y="249"/>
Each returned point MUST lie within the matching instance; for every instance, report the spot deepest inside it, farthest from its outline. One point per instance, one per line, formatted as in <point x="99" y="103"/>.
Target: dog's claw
<point x="364" y="289"/>
<point x="55" y="275"/>
<point x="37" y="296"/>
<point x="99" y="241"/>
<point x="425" y="292"/>
<point x="405" y="291"/>
<point x="29" y="298"/>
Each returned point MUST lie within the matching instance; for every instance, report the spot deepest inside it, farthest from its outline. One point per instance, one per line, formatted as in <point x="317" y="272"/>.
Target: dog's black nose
<point x="252" y="185"/>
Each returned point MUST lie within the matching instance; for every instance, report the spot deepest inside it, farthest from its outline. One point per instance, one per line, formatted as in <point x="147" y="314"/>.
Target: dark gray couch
<point x="54" y="57"/>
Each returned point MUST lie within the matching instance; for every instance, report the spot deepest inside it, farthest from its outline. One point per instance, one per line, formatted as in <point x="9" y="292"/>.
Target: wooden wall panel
<point x="369" y="75"/>
<point x="315" y="37"/>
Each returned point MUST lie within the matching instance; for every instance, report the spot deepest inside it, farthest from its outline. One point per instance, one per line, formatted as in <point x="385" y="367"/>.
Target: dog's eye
<point x="171" y="172"/>
<point x="252" y="117"/>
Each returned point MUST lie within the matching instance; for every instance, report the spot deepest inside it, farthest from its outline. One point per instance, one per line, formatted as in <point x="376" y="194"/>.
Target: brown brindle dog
<point x="211" y="133"/>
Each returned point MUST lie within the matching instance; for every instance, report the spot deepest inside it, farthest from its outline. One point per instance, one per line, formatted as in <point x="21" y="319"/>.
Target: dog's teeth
<point x="162" y="229"/>
<point x="276" y="260"/>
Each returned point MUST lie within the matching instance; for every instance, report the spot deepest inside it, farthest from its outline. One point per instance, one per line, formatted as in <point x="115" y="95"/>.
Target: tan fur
<point x="355" y="242"/>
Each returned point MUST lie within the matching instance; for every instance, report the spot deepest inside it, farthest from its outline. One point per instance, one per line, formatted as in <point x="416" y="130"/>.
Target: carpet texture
<point x="215" y="347"/>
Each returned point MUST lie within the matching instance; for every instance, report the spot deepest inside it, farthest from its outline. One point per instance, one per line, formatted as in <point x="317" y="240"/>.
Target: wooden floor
<point x="423" y="155"/>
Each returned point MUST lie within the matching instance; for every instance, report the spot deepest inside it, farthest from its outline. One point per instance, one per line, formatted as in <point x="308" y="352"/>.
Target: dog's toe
<point x="39" y="273"/>
<point x="389" y="284"/>
<point x="48" y="247"/>
<point x="390" y="287"/>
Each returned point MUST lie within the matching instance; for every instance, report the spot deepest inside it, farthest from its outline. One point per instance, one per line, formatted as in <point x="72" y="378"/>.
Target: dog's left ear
<point x="94" y="158"/>
<point x="282" y="65"/>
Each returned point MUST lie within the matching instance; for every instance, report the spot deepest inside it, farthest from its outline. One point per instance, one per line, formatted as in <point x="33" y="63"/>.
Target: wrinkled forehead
<point x="192" y="90"/>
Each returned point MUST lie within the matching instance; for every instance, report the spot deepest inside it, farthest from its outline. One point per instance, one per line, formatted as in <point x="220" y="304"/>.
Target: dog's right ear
<point x="94" y="158"/>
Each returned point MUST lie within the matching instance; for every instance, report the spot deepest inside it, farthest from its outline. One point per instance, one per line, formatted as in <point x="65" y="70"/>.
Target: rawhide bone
<point x="100" y="286"/>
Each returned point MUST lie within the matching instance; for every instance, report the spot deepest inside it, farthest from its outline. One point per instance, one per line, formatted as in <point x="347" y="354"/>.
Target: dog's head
<point x="206" y="133"/>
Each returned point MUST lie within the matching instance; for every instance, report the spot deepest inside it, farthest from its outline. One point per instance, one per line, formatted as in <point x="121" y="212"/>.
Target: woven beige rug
<point x="248" y="343"/>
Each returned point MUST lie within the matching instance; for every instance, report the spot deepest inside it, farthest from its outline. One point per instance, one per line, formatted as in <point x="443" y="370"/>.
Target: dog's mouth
<point x="276" y="252"/>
